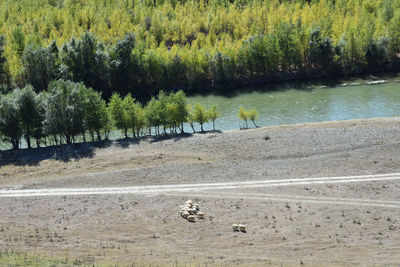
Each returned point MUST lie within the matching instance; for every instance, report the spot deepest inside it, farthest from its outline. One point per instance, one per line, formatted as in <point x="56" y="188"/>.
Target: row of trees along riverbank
<point x="190" y="45"/>
<point x="69" y="111"/>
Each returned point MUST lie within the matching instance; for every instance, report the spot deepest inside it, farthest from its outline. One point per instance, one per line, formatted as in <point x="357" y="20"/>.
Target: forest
<point x="140" y="47"/>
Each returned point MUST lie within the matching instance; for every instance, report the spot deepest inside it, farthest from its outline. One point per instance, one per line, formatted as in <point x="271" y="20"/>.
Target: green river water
<point x="300" y="102"/>
<point x="290" y="104"/>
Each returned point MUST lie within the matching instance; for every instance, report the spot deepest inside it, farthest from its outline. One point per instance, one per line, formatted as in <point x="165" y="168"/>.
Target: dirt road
<point x="192" y="189"/>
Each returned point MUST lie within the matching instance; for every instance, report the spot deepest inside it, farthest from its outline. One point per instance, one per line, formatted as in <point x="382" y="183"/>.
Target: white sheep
<point x="235" y="227"/>
<point x="192" y="211"/>
<point x="200" y="215"/>
<point x="189" y="203"/>
<point x="191" y="218"/>
<point x="242" y="227"/>
<point x="185" y="214"/>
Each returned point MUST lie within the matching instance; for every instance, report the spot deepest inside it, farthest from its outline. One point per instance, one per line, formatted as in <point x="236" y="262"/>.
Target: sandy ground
<point x="333" y="223"/>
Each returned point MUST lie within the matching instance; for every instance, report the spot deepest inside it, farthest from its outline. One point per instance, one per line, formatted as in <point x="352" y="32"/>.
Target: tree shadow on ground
<point x="175" y="137"/>
<point x="64" y="153"/>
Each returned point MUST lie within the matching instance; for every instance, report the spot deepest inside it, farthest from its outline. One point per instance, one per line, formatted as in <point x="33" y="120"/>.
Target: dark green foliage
<point x="220" y="70"/>
<point x="30" y="113"/>
<point x="40" y="66"/>
<point x="377" y="52"/>
<point x="119" y="113"/>
<point x="65" y="110"/>
<point x="10" y="124"/>
<point x="320" y="52"/>
<point x="84" y="60"/>
<point x="124" y="65"/>
<point x="95" y="112"/>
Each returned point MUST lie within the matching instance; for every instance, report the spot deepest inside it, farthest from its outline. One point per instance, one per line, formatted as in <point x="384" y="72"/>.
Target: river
<point x="306" y="103"/>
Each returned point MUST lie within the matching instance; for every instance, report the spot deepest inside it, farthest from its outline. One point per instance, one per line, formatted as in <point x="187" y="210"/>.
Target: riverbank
<point x="297" y="141"/>
<point x="354" y="222"/>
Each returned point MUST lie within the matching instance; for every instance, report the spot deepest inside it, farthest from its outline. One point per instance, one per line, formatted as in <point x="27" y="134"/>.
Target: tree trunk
<point x="201" y="126"/>
<point x="98" y="136"/>
<point x="14" y="143"/>
<point x="191" y="125"/>
<point x="28" y="137"/>
<point x="37" y="142"/>
<point x="255" y="125"/>
<point x="126" y="133"/>
<point x="213" y="125"/>
<point x="182" y="131"/>
<point x="246" y="124"/>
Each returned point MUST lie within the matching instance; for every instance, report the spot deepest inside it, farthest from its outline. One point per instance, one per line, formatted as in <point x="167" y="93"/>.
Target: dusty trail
<point x="303" y="199"/>
<point x="164" y="189"/>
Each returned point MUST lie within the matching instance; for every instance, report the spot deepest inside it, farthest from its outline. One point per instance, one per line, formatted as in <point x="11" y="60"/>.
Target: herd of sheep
<point x="190" y="211"/>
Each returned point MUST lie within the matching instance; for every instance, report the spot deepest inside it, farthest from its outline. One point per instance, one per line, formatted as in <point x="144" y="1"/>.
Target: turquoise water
<point x="311" y="103"/>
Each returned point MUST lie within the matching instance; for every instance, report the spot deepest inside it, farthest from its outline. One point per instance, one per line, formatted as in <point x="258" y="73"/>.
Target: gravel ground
<point x="284" y="227"/>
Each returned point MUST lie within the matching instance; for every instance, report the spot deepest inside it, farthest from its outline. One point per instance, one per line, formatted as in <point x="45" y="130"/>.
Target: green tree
<point x="200" y="115"/>
<point x="85" y="60"/>
<point x="177" y="109"/>
<point x="213" y="115"/>
<point x="140" y="119"/>
<point x="119" y="113"/>
<point x="152" y="116"/>
<point x="191" y="117"/>
<point x="38" y="129"/>
<point x="40" y="66"/>
<point x="10" y="123"/>
<point x="132" y="109"/>
<point x="29" y="111"/>
<point x="243" y="115"/>
<point x="253" y="116"/>
<point x="320" y="51"/>
<point x="377" y="52"/>
<point x="161" y="107"/>
<point x="95" y="111"/>
<point x="124" y="65"/>
<point x="287" y="44"/>
<point x="108" y="123"/>
<point x="65" y="110"/>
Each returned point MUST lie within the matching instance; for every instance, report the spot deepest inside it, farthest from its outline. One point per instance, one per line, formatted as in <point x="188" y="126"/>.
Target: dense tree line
<point x="70" y="112"/>
<point x="142" y="46"/>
